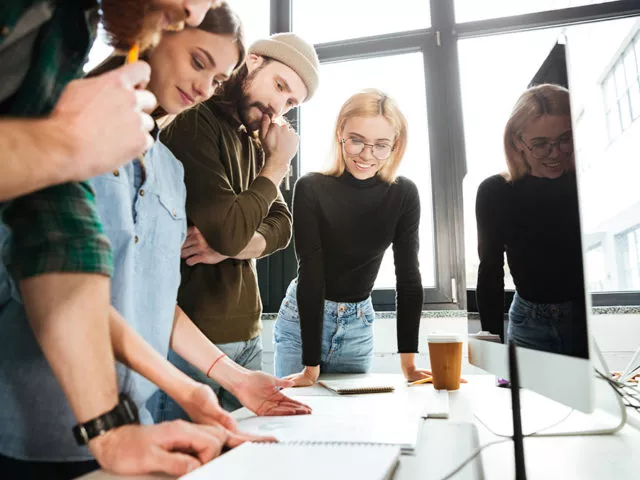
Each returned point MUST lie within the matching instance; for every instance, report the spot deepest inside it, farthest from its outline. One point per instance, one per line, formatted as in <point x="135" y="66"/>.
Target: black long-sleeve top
<point x="341" y="228"/>
<point x="536" y="222"/>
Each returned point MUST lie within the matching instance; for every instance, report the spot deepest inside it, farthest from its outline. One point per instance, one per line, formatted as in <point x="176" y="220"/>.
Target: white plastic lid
<point x="444" y="338"/>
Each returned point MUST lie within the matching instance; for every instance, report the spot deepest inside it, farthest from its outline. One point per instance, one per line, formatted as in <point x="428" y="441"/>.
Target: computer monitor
<point x="564" y="377"/>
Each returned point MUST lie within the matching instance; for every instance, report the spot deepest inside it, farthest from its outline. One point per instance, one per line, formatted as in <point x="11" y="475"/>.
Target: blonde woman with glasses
<point x="343" y="222"/>
<point x="531" y="213"/>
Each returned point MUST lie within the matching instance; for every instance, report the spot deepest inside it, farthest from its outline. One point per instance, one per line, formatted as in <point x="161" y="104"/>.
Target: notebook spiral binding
<point x="367" y="390"/>
<point x="308" y="443"/>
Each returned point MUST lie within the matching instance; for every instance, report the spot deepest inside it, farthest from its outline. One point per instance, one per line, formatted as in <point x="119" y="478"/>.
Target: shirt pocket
<point x="171" y="223"/>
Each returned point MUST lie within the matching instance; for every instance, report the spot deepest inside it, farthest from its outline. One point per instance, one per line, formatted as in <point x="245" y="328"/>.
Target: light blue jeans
<point x="347" y="337"/>
<point x="248" y="354"/>
<point x="549" y="327"/>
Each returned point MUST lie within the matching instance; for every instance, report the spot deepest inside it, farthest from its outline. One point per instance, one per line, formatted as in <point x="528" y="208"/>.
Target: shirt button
<point x="5" y="31"/>
<point x="142" y="193"/>
<point x="136" y="239"/>
<point x="116" y="173"/>
<point x="173" y="212"/>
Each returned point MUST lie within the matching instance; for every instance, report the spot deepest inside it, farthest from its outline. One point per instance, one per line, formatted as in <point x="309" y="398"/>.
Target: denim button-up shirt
<point x="146" y="224"/>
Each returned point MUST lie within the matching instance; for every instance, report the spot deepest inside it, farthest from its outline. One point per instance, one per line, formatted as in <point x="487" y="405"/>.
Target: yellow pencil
<point x="134" y="53"/>
<point x="422" y="380"/>
<point x="132" y="57"/>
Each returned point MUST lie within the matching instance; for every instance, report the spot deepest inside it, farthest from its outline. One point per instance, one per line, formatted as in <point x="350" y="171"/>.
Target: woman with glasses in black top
<point x="343" y="222"/>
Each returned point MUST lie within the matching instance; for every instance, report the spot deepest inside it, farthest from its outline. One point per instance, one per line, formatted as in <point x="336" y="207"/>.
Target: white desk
<point x="444" y="444"/>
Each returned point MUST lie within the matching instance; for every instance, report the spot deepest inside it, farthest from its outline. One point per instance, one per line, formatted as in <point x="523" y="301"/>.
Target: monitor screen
<point x="553" y="231"/>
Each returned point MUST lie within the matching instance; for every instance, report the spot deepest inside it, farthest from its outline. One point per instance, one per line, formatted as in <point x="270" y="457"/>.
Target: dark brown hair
<point x="220" y="20"/>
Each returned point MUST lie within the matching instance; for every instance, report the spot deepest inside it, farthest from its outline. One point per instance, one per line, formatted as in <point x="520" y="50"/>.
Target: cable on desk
<point x="473" y="456"/>
<point x="532" y="434"/>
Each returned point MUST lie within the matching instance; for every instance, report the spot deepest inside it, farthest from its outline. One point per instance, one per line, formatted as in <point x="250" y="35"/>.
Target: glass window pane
<point x="99" y="51"/>
<point x="610" y="202"/>
<point x="515" y="59"/>
<point x="317" y="124"/>
<point x="332" y="20"/>
<point x="630" y="67"/>
<point x="597" y="269"/>
<point x="609" y="93"/>
<point x="625" y="112"/>
<point x="470" y="10"/>
<point x="621" y="83"/>
<point x="254" y="16"/>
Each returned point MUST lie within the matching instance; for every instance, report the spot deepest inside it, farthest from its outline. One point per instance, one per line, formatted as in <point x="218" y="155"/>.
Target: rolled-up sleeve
<point x="57" y="229"/>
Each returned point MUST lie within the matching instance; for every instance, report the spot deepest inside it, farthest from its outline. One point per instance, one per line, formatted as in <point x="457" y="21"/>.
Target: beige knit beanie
<point x="294" y="52"/>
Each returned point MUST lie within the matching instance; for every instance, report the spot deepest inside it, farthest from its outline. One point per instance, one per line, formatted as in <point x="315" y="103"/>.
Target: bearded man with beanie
<point x="236" y="149"/>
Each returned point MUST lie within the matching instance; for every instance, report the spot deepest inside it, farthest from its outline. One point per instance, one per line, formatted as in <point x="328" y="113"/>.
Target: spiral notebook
<point x="296" y="460"/>
<point x="353" y="387"/>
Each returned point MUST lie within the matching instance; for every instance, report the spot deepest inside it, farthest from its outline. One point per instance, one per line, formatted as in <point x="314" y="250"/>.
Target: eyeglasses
<point x="355" y="146"/>
<point x="542" y="149"/>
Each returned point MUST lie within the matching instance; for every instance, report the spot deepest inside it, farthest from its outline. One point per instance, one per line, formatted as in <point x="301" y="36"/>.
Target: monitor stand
<point x="541" y="416"/>
<point x="518" y="447"/>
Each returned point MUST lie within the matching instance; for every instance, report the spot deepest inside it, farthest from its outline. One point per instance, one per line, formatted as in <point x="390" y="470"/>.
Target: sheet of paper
<point x="362" y="420"/>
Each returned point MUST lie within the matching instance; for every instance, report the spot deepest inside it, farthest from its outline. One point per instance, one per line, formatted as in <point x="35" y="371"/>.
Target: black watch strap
<point x="124" y="413"/>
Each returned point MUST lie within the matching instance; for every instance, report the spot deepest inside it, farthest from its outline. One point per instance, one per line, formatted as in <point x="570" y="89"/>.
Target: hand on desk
<point x="260" y="393"/>
<point x="306" y="377"/>
<point x="203" y="407"/>
<point x="175" y="448"/>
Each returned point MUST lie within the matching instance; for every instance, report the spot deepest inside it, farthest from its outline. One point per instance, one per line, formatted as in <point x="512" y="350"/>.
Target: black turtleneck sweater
<point x="341" y="228"/>
<point x="536" y="222"/>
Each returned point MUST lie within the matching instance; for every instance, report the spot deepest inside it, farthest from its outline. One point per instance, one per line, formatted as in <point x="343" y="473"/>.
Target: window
<point x="596" y="269"/>
<point x="318" y="117"/>
<point x="629" y="259"/>
<point x="621" y="90"/>
<point x="343" y="20"/>
<point x="609" y="196"/>
<point x="255" y="18"/>
<point x="99" y="51"/>
<point x="471" y="10"/>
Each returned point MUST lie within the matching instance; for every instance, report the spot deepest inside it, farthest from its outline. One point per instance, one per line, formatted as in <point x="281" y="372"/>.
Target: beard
<point x="247" y="104"/>
<point x="127" y="22"/>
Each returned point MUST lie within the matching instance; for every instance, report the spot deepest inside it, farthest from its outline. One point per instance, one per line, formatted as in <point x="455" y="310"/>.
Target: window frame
<point x="438" y="44"/>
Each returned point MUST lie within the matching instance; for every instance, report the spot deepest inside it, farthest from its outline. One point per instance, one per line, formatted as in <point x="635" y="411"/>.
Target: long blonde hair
<point x="371" y="103"/>
<point x="545" y="99"/>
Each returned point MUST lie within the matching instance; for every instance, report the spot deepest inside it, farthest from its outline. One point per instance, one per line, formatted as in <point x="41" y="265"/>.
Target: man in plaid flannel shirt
<point x="53" y="135"/>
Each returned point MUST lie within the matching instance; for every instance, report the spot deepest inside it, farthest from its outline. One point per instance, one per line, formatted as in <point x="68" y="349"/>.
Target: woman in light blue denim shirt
<point x="142" y="208"/>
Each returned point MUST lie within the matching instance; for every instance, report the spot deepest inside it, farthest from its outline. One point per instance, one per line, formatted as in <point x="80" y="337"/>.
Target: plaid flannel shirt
<point x="56" y="229"/>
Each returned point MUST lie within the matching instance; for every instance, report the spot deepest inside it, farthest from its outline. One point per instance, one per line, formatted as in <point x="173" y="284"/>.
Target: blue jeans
<point x="248" y="354"/>
<point x="347" y="337"/>
<point x="550" y="327"/>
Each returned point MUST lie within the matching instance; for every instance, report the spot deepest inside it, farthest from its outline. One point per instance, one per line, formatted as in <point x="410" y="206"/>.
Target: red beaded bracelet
<point x="214" y="363"/>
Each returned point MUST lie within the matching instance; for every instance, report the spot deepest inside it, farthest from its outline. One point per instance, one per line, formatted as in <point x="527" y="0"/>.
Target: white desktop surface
<point x="444" y="444"/>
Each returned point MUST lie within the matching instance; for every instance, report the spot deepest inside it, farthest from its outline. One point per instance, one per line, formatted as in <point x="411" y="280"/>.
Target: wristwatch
<point x="124" y="413"/>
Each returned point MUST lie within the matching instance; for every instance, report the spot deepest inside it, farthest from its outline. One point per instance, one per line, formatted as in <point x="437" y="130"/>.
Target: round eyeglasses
<point x="355" y="146"/>
<point x="541" y="149"/>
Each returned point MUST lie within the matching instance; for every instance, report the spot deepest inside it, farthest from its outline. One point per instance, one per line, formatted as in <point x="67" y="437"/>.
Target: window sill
<point x="618" y="310"/>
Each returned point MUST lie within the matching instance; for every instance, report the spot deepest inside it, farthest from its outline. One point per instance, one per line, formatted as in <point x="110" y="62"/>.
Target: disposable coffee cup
<point x="445" y="353"/>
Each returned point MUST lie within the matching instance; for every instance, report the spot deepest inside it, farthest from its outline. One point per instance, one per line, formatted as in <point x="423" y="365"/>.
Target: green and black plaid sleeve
<point x="57" y="230"/>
